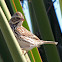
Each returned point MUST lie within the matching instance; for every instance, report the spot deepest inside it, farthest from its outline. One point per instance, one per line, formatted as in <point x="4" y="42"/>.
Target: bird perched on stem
<point x="25" y="38"/>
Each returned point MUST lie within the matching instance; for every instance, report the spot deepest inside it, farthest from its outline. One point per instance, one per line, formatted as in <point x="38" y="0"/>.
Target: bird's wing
<point x="24" y="32"/>
<point x="32" y="42"/>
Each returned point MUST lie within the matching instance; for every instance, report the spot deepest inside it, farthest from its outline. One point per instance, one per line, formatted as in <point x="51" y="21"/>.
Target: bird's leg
<point x="24" y="51"/>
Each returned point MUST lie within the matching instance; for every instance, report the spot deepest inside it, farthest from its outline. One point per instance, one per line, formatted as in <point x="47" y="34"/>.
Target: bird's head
<point x="17" y="18"/>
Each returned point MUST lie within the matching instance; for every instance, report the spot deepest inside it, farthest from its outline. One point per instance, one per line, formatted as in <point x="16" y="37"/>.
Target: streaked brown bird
<point x="25" y="38"/>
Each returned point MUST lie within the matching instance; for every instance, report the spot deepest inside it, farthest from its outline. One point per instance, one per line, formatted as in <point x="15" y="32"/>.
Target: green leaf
<point x="60" y="5"/>
<point x="11" y="41"/>
<point x="18" y="7"/>
<point x="4" y="52"/>
<point x="5" y="9"/>
<point x="45" y="30"/>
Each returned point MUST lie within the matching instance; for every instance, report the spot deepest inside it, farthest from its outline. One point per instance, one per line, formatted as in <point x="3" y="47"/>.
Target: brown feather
<point x="24" y="32"/>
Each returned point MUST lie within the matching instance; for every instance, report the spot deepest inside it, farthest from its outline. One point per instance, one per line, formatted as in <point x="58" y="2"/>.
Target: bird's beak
<point x="22" y="19"/>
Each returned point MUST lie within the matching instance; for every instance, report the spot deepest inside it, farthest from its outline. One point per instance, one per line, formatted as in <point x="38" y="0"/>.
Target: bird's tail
<point x="48" y="42"/>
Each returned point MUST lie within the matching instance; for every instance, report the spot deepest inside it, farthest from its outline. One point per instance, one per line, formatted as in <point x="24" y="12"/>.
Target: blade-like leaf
<point x="11" y="41"/>
<point x="17" y="7"/>
<point x="5" y="9"/>
<point x="60" y="5"/>
<point x="45" y="30"/>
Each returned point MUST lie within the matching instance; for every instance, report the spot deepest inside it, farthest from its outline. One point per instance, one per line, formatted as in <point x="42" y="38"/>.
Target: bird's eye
<point x="16" y="14"/>
<point x="18" y="18"/>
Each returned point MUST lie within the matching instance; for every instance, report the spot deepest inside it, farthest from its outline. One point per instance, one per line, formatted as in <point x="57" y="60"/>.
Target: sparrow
<point x="25" y="38"/>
